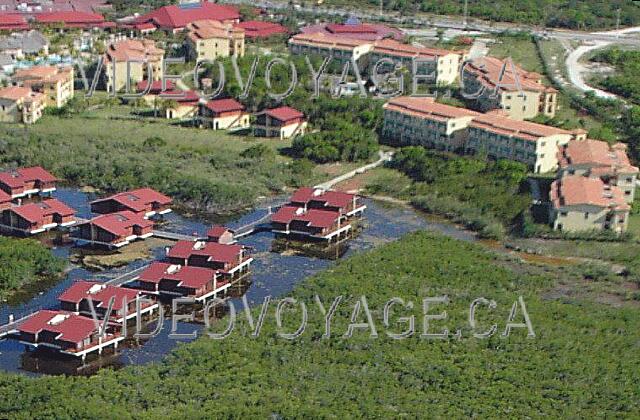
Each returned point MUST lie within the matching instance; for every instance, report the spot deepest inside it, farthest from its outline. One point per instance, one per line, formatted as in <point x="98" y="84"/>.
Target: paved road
<point x="576" y="70"/>
<point x="453" y="22"/>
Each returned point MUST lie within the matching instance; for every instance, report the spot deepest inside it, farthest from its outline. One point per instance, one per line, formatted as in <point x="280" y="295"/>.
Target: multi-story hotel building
<point x="500" y="84"/>
<point x="598" y="159"/>
<point x="580" y="203"/>
<point x="422" y="121"/>
<point x="56" y="84"/>
<point x="139" y="54"/>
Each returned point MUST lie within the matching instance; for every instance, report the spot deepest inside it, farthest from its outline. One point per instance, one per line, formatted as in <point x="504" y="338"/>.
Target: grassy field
<point x="110" y="149"/>
<point x="592" y="348"/>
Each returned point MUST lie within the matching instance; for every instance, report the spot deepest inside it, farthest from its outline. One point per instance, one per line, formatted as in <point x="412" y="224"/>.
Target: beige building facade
<point x="21" y="105"/>
<point x="583" y="204"/>
<point x="56" y="84"/>
<point x="500" y="84"/>
<point x="422" y="121"/>
<point x="210" y="39"/>
<point x="138" y="56"/>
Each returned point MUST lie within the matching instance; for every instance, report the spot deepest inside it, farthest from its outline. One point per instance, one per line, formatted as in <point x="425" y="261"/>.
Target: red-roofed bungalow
<point x="38" y="217"/>
<point x="229" y="260"/>
<point x="312" y="223"/>
<point x="13" y="22"/>
<point x="316" y="198"/>
<point x="73" y="19"/>
<point x="177" y="280"/>
<point x="145" y="202"/>
<point x="220" y="234"/>
<point x="223" y="114"/>
<point x="283" y="122"/>
<point x="255" y="29"/>
<point x="114" y="229"/>
<point x="68" y="333"/>
<point x="27" y="181"/>
<point x="76" y="299"/>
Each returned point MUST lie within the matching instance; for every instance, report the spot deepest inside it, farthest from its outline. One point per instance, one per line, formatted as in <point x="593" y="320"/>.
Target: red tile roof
<point x="578" y="190"/>
<point x="521" y="129"/>
<point x="327" y="198"/>
<point x="12" y="21"/>
<point x="16" y="178"/>
<point x="224" y="105"/>
<point x="427" y="108"/>
<point x="214" y="251"/>
<point x="594" y="153"/>
<point x="363" y="31"/>
<point x="156" y="86"/>
<point x="137" y="200"/>
<point x="217" y="231"/>
<point x="314" y="217"/>
<point x="36" y="212"/>
<point x="284" y="113"/>
<point x="259" y="29"/>
<point x="186" y="276"/>
<point x="175" y="17"/>
<point x="188" y="97"/>
<point x="69" y="326"/>
<point x="121" y="223"/>
<point x="489" y="72"/>
<point x="395" y="48"/>
<point x="71" y="18"/>
<point x="100" y="293"/>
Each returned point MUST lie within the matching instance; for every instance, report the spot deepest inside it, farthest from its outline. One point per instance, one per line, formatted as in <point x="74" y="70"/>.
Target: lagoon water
<point x="272" y="273"/>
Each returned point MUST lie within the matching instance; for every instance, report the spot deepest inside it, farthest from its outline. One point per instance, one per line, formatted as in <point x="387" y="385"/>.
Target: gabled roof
<point x="176" y="17"/>
<point x="211" y="29"/>
<point x="100" y="293"/>
<point x="121" y="223"/>
<point x="134" y="49"/>
<point x="14" y="93"/>
<point x="35" y="212"/>
<point x="427" y="108"/>
<point x="337" y="199"/>
<point x="224" y="105"/>
<point x="356" y="30"/>
<point x="13" y="21"/>
<point x="284" y="113"/>
<point x="137" y="200"/>
<point x="214" y="251"/>
<point x="575" y="190"/>
<point x="394" y="48"/>
<point x="313" y="217"/>
<point x="259" y="29"/>
<point x="156" y="86"/>
<point x="322" y="40"/>
<point x="185" y="276"/>
<point x="70" y="17"/>
<point x="218" y="230"/>
<point x="489" y="72"/>
<point x="521" y="129"/>
<point x="595" y="153"/>
<point x="18" y="177"/>
<point x="68" y="326"/>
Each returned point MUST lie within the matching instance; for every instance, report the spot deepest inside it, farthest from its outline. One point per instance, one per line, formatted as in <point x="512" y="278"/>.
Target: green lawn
<point x="582" y="362"/>
<point x="109" y="150"/>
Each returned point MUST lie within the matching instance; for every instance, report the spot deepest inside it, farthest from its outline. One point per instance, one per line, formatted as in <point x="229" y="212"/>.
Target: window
<point x="627" y="193"/>
<point x="586" y="216"/>
<point x="563" y="214"/>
